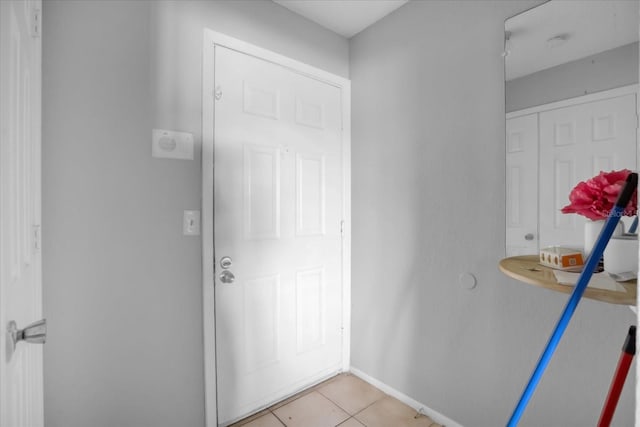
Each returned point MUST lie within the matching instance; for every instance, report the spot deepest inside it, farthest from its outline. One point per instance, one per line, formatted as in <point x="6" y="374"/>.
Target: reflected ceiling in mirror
<point x="562" y="31"/>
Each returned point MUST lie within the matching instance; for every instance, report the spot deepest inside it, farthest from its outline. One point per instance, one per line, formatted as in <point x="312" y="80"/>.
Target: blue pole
<point x="634" y="226"/>
<point x="574" y="299"/>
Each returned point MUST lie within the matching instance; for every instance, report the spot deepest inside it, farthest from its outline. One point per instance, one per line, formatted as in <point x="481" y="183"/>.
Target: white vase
<point x="621" y="254"/>
<point x="592" y="231"/>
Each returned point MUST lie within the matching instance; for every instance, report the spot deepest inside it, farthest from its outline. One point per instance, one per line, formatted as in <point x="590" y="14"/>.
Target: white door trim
<point x="211" y="39"/>
<point x="583" y="99"/>
<point x="27" y="176"/>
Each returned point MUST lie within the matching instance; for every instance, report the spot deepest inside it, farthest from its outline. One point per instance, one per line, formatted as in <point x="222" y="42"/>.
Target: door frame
<point x="577" y="100"/>
<point x="212" y="39"/>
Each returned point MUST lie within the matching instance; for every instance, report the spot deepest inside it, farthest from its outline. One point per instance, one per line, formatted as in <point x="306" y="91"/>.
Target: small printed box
<point x="561" y="258"/>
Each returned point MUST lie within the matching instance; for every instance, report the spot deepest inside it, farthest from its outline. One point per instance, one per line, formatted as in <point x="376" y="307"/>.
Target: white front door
<point x="21" y="387"/>
<point x="576" y="143"/>
<point x="278" y="195"/>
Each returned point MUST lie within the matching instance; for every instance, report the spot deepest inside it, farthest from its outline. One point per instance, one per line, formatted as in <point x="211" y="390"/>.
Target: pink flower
<point x="596" y="197"/>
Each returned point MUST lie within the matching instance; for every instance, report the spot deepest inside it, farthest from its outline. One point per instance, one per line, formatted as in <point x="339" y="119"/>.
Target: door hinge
<point x="342" y="227"/>
<point x="35" y="23"/>
<point x="37" y="237"/>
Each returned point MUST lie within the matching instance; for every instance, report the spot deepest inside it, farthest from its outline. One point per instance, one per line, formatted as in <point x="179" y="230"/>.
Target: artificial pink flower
<point x="596" y="197"/>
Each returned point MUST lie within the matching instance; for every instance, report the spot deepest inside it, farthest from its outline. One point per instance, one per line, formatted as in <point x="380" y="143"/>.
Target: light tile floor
<point x="345" y="401"/>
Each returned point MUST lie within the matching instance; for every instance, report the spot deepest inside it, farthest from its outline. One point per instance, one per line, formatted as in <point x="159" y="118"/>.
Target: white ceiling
<point x="591" y="27"/>
<point x="345" y="17"/>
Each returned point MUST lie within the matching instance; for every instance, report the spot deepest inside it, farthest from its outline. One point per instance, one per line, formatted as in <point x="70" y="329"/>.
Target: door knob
<point x="227" y="277"/>
<point x="225" y="262"/>
<point x="35" y="333"/>
<point x="529" y="236"/>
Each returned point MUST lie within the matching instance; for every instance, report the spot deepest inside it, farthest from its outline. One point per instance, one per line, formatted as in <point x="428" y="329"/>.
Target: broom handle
<point x="617" y="383"/>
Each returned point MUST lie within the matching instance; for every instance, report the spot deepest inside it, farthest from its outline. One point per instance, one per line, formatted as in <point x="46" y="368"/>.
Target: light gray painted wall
<point x="122" y="286"/>
<point x="177" y="61"/>
<point x="428" y="205"/>
<point x="606" y="70"/>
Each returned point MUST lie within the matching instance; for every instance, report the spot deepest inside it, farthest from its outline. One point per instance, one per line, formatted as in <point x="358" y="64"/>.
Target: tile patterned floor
<point x="344" y="401"/>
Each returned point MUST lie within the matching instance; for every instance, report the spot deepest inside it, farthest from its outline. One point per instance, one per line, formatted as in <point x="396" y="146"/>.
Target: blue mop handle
<point x="583" y="280"/>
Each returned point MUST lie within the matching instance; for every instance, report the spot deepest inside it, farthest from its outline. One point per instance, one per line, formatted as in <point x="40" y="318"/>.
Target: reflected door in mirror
<point x="522" y="185"/>
<point x="577" y="143"/>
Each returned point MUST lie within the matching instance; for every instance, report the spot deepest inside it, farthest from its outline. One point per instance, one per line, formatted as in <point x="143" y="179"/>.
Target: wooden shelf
<point x="527" y="269"/>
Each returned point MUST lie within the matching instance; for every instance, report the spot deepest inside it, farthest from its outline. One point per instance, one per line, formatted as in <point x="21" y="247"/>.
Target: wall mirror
<point x="571" y="70"/>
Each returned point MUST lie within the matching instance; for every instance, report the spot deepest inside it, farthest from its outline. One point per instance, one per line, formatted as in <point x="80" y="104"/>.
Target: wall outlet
<point x="191" y="223"/>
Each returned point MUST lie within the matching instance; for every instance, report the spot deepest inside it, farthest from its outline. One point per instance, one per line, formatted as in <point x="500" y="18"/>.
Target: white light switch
<point x="191" y="223"/>
<point x="171" y="145"/>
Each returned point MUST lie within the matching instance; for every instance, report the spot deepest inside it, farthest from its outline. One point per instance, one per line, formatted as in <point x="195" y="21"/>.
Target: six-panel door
<point x="576" y="143"/>
<point x="278" y="192"/>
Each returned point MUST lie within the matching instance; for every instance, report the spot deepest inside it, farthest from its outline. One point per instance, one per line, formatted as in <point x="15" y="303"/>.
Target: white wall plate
<point x="168" y="144"/>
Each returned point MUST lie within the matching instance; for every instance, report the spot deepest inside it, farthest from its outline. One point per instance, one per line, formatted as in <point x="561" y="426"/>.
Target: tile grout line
<point x="301" y="393"/>
<point x="317" y="388"/>
<point x="278" y="418"/>
<point x="369" y="406"/>
<point x="321" y="394"/>
<point x="352" y="418"/>
<point x="348" y="413"/>
<point x="335" y="403"/>
<point x="290" y="399"/>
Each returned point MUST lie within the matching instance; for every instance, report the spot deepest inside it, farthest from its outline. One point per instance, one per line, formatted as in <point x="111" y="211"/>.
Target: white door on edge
<point x="278" y="196"/>
<point x="21" y="389"/>
<point x="522" y="185"/>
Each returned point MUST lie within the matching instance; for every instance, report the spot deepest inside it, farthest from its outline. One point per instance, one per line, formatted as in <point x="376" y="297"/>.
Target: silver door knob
<point x="529" y="236"/>
<point x="35" y="333"/>
<point x="227" y="277"/>
<point x="225" y="262"/>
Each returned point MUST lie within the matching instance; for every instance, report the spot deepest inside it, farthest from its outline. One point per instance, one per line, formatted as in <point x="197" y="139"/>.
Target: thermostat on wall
<point x="172" y="145"/>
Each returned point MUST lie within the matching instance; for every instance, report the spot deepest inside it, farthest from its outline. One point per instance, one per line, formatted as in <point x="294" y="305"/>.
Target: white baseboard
<point x="420" y="407"/>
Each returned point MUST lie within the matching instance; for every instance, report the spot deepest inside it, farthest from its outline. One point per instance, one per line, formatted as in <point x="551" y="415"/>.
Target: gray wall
<point x="122" y="286"/>
<point x="177" y="61"/>
<point x="605" y="70"/>
<point x="428" y="171"/>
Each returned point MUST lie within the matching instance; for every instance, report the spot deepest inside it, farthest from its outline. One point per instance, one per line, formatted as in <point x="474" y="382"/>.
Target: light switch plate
<point x="191" y="223"/>
<point x="169" y="144"/>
